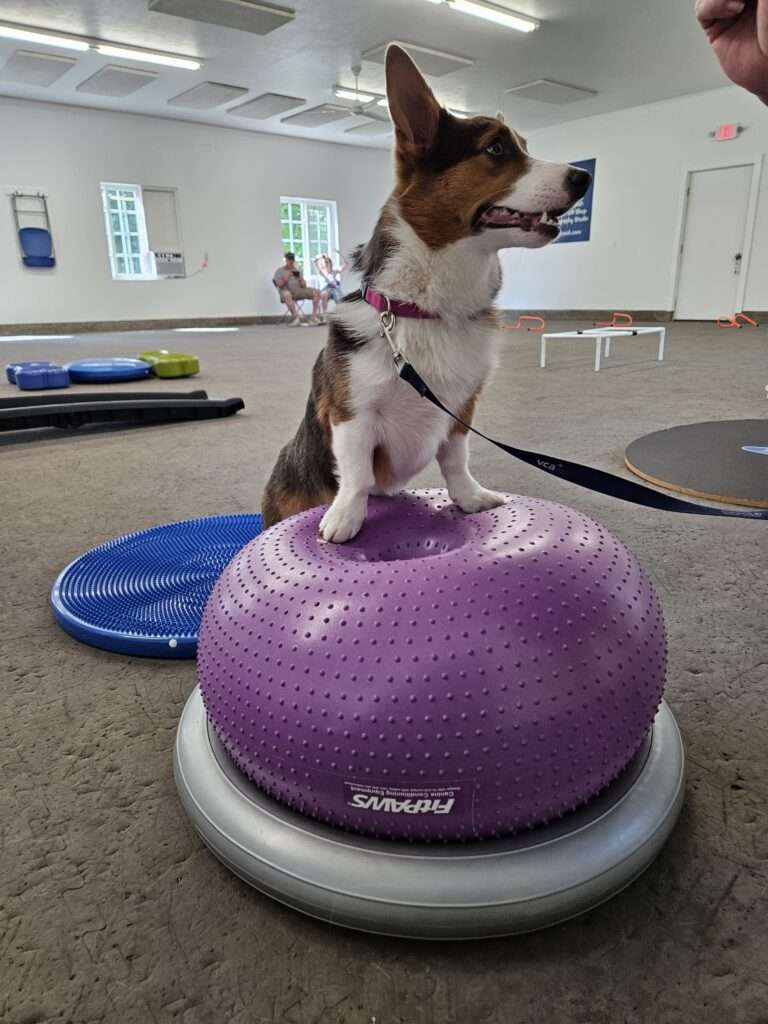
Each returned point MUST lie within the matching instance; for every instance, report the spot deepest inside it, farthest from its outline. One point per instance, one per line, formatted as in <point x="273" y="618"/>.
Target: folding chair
<point x="299" y="305"/>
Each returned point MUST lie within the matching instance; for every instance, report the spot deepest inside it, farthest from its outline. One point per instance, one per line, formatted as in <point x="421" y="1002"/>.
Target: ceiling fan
<point x="372" y="108"/>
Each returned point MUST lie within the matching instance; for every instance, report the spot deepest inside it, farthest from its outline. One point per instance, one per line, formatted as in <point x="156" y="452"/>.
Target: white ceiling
<point x="630" y="52"/>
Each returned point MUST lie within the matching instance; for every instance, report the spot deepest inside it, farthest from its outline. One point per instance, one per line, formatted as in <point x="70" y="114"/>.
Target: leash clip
<point x="387" y="324"/>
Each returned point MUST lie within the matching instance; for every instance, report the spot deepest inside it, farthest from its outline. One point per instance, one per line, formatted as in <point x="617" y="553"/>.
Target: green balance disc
<point x="171" y="364"/>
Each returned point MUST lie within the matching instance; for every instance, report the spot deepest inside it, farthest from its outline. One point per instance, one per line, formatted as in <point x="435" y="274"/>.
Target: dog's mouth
<point x="498" y="217"/>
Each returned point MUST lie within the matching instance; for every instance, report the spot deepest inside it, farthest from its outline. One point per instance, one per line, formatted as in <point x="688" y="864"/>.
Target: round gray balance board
<point x="725" y="460"/>
<point x="474" y="890"/>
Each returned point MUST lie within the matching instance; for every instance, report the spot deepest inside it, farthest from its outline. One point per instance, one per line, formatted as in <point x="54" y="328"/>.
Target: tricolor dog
<point x="464" y="190"/>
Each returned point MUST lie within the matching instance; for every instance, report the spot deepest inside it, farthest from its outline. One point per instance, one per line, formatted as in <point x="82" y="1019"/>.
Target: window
<point x="309" y="227"/>
<point x="129" y="253"/>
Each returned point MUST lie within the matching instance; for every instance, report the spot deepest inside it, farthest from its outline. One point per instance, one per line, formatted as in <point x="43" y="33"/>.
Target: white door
<point x="713" y="258"/>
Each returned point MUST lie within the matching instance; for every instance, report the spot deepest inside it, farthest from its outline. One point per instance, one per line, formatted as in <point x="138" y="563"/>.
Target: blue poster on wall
<point x="576" y="225"/>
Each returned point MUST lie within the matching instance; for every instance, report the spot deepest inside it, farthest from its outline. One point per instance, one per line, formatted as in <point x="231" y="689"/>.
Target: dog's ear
<point x="412" y="105"/>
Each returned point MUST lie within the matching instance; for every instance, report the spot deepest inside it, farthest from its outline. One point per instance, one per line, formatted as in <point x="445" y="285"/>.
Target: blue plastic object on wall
<point x="144" y="593"/>
<point x="105" y="371"/>
<point x="36" y="247"/>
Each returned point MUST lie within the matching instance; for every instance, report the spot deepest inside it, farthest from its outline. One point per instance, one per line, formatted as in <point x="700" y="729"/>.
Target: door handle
<point x="737" y="263"/>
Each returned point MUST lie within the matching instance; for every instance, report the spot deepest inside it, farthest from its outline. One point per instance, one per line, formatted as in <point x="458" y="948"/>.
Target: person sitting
<point x="332" y="277"/>
<point x="292" y="287"/>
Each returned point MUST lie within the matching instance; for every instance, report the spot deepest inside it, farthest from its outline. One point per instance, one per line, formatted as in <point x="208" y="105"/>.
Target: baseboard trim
<point x="109" y="326"/>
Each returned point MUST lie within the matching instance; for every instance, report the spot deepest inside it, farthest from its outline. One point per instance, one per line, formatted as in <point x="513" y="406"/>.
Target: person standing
<point x="738" y="34"/>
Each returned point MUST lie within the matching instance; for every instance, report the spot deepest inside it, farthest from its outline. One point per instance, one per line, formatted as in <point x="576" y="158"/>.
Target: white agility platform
<point x="602" y="337"/>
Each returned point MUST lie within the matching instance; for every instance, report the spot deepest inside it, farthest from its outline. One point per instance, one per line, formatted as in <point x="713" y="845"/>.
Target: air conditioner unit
<point x="169" y="264"/>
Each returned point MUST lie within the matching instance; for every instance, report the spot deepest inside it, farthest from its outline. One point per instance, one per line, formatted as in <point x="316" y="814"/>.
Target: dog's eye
<point x="495" y="149"/>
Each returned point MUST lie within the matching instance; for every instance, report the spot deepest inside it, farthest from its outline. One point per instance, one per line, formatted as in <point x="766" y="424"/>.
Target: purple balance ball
<point x="441" y="677"/>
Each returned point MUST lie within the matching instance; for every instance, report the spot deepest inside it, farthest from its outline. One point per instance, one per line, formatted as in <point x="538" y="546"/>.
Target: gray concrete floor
<point x="111" y="909"/>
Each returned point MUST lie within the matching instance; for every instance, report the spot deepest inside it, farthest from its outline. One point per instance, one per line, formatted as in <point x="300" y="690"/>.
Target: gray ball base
<point x="475" y="890"/>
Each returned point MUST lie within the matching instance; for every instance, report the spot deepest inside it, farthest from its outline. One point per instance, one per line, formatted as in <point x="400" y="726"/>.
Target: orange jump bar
<point x="732" y="322"/>
<point x="529" y="323"/>
<point x="618" y="320"/>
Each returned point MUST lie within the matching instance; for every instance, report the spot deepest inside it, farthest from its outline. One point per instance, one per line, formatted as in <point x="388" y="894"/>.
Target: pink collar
<point x="394" y="306"/>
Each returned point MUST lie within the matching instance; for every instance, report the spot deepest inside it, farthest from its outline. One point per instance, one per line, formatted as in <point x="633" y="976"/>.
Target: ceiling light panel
<point x="116" y="82"/>
<point x="315" y="117"/>
<point x="431" y="62"/>
<point x="545" y="90"/>
<point x="342" y="92"/>
<point x="269" y="104"/>
<point x="495" y="13"/>
<point x="245" y="15"/>
<point x="42" y="69"/>
<point x="31" y="35"/>
<point x="83" y="44"/>
<point x="207" y="95"/>
<point x="148" y="56"/>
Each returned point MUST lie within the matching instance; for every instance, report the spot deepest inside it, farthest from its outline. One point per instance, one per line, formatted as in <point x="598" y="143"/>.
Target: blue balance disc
<point x="106" y="371"/>
<point x="145" y="593"/>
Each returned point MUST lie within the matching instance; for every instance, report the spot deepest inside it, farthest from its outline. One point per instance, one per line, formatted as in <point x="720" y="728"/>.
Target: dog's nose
<point x="578" y="181"/>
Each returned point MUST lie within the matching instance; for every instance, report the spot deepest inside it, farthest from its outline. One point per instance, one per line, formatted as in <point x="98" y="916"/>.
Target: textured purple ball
<point x="441" y="677"/>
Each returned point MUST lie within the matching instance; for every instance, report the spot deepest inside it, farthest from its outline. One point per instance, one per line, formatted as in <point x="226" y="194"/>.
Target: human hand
<point x="738" y="33"/>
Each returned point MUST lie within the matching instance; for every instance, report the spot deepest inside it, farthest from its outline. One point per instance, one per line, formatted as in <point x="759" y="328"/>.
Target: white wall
<point x="642" y="155"/>
<point x="229" y="183"/>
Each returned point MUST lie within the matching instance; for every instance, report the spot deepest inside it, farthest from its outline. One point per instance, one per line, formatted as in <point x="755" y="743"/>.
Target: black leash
<point x="585" y="476"/>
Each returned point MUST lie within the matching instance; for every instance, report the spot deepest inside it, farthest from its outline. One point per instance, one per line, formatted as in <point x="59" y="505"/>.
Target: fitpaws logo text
<point x="401" y="800"/>
<point x="389" y="805"/>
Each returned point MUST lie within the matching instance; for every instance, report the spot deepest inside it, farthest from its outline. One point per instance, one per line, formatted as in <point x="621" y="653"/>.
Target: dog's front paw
<point x="342" y="522"/>
<point x="480" y="499"/>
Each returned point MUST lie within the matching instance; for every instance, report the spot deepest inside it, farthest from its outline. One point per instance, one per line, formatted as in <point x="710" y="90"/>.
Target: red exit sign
<point x="727" y="132"/>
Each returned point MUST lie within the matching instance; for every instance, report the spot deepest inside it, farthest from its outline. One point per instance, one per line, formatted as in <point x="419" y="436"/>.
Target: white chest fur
<point x="454" y="353"/>
<point x="454" y="357"/>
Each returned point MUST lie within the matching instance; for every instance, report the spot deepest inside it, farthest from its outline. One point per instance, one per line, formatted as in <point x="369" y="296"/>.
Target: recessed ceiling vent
<point x="269" y="104"/>
<point x="117" y="81"/>
<point x="207" y="95"/>
<point x="317" y="116"/>
<point x="431" y="62"/>
<point x="245" y="15"/>
<point x="370" y="128"/>
<point x="30" y="68"/>
<point x="546" y="90"/>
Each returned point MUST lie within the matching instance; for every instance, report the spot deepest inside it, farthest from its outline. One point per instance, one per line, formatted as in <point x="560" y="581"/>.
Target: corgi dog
<point x="464" y="190"/>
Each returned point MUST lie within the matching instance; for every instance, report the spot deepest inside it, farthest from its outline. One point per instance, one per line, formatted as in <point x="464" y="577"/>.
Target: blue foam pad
<point x="13" y="368"/>
<point x="104" y="371"/>
<point x="38" y="378"/>
<point x="145" y="593"/>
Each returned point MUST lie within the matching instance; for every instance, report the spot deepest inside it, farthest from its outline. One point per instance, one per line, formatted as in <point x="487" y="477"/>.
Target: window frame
<point x="147" y="263"/>
<point x="310" y="274"/>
